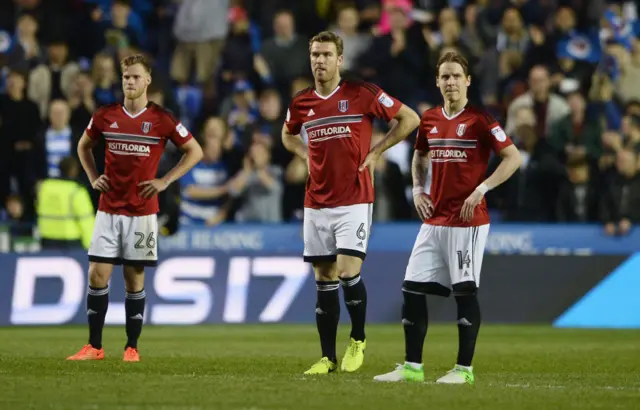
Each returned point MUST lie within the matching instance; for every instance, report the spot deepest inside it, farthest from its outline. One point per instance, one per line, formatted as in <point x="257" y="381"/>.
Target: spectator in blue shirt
<point x="204" y="189"/>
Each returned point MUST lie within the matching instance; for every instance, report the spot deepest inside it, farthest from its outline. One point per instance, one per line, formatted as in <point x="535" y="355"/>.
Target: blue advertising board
<point x="504" y="239"/>
<point x="185" y="289"/>
<point x="188" y="288"/>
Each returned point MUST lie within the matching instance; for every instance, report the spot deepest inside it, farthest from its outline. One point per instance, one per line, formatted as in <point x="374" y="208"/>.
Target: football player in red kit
<point x="458" y="140"/>
<point x="126" y="229"/>
<point x="330" y="125"/>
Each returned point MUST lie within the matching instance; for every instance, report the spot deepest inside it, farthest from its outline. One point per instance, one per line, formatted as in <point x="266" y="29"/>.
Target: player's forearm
<point x="406" y="122"/>
<point x="505" y="169"/>
<point x="295" y="145"/>
<point x="188" y="161"/>
<point x="419" y="169"/>
<point x="85" y="154"/>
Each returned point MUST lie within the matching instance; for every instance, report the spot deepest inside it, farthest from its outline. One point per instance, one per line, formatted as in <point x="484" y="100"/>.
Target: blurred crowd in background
<point x="561" y="76"/>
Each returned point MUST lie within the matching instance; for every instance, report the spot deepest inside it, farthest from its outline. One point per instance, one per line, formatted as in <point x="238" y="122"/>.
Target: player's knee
<point x="325" y="271"/>
<point x="99" y="274"/>
<point x="348" y="266"/>
<point x="465" y="288"/>
<point x="134" y="278"/>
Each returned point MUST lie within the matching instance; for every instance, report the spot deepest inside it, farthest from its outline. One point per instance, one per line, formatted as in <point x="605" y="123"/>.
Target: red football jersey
<point x="134" y="146"/>
<point x="459" y="148"/>
<point x="337" y="129"/>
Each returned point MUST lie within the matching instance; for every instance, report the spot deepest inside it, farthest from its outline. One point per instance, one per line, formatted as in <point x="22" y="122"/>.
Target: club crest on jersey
<point x="343" y="105"/>
<point x="460" y="129"/>
<point x="146" y="127"/>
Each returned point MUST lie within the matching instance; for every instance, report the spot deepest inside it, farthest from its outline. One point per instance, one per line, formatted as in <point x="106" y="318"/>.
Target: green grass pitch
<point x="260" y="367"/>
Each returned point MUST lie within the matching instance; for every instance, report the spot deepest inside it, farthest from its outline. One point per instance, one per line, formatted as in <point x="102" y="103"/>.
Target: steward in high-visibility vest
<point x="65" y="212"/>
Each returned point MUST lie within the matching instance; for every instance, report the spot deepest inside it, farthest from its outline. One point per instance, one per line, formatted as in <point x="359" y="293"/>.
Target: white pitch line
<point x="550" y="386"/>
<point x="492" y="384"/>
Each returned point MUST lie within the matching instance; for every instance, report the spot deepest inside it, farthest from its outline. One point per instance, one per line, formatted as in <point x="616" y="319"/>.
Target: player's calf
<point x="469" y="320"/>
<point x="355" y="293"/>
<point x="327" y="317"/>
<point x="466" y="297"/>
<point x="134" y="304"/>
<point x="415" y="321"/>
<point x="355" y="298"/>
<point x="327" y="310"/>
<point x="97" y="301"/>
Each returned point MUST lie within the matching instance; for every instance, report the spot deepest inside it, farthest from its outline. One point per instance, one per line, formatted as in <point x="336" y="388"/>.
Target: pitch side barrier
<point x="564" y="275"/>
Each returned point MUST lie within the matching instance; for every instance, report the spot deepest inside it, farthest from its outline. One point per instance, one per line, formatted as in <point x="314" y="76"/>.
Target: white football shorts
<point x="125" y="240"/>
<point x="447" y="255"/>
<point x="342" y="230"/>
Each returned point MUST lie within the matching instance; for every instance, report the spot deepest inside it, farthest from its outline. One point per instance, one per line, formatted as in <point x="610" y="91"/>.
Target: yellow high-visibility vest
<point x="65" y="211"/>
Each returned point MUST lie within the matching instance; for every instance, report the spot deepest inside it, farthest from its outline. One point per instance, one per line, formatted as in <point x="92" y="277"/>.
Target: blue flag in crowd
<point x="621" y="30"/>
<point x="580" y="46"/>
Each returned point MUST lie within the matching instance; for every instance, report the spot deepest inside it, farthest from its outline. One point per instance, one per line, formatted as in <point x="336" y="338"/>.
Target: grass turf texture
<point x="261" y="366"/>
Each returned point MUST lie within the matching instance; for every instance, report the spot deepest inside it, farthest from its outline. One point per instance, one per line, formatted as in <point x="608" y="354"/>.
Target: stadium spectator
<point x="239" y="55"/>
<point x="549" y="108"/>
<point x="529" y="195"/>
<point x="621" y="202"/>
<point x="58" y="141"/>
<point x="268" y="127"/>
<point x="389" y="182"/>
<point x="13" y="217"/>
<point x="19" y="129"/>
<point x="200" y="27"/>
<point x="286" y="53"/>
<point x="242" y="113"/>
<point x="205" y="187"/>
<point x="355" y="42"/>
<point x="397" y="60"/>
<point x="105" y="78"/>
<point x="115" y="30"/>
<point x="259" y="185"/>
<point x="28" y="44"/>
<point x="577" y="136"/>
<point x="65" y="212"/>
<point x="578" y="194"/>
<point x="52" y="79"/>
<point x="566" y="70"/>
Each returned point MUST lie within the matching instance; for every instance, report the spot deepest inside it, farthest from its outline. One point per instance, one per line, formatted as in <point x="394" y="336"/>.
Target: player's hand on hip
<point x="466" y="214"/>
<point x="101" y="183"/>
<point x="424" y="205"/>
<point x="151" y="188"/>
<point x="370" y="162"/>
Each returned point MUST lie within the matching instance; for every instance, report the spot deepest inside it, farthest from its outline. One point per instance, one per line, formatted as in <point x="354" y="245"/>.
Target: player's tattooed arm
<point x="294" y="143"/>
<point x="419" y="168"/>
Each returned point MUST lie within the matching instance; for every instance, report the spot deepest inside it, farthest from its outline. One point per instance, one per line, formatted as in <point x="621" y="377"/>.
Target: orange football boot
<point x="88" y="352"/>
<point x="131" y="355"/>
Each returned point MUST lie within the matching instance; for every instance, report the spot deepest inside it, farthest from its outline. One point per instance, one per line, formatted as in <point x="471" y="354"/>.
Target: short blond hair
<point x="135" y="59"/>
<point x="328" y="37"/>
